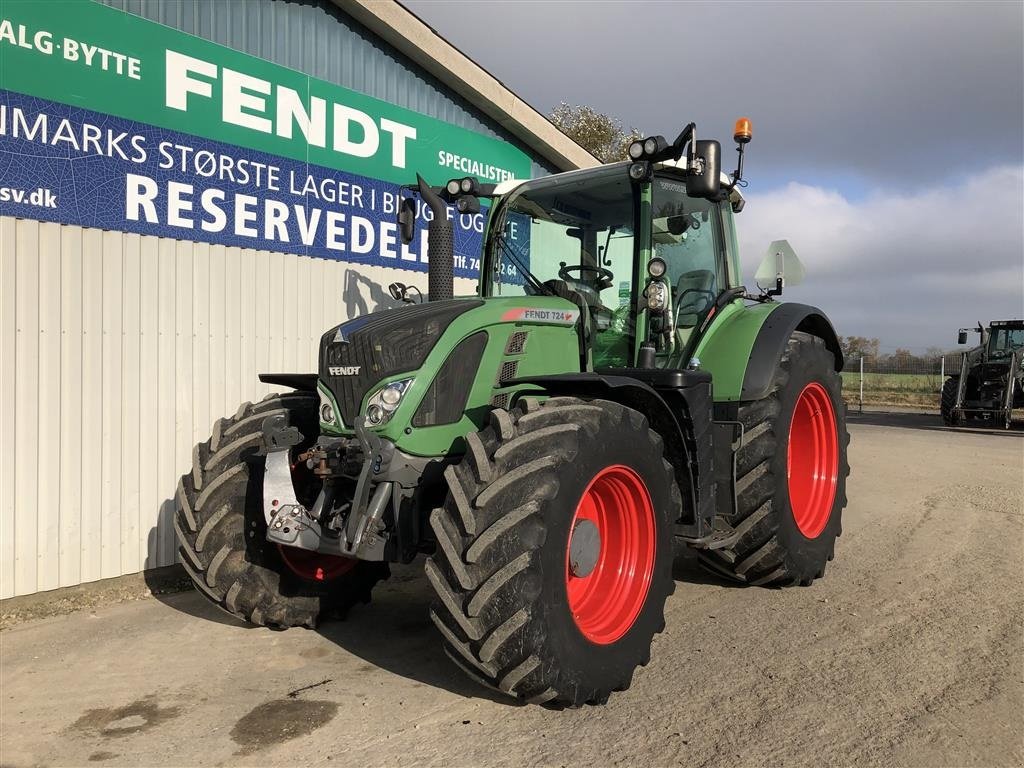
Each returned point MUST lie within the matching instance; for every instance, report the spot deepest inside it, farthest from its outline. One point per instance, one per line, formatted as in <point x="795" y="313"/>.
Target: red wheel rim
<point x="313" y="566"/>
<point x="812" y="460"/>
<point x="605" y="602"/>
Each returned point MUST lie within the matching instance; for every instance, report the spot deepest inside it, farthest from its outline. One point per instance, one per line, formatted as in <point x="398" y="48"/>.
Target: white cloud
<point x="908" y="269"/>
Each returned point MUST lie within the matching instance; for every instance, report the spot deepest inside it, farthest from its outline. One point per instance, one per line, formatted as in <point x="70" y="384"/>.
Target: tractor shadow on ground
<point x="932" y="422"/>
<point x="394" y="632"/>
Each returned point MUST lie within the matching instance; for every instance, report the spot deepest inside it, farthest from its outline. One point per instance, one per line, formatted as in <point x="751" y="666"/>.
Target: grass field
<point x="899" y="389"/>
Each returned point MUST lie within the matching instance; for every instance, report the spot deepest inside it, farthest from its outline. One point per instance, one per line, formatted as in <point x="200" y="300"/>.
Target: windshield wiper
<point x="531" y="278"/>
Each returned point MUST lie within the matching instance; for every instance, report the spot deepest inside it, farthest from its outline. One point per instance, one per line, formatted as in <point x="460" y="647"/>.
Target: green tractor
<point x="990" y="383"/>
<point x="609" y="392"/>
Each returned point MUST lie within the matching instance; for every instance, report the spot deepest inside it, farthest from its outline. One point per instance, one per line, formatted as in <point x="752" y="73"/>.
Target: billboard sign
<point x="111" y="121"/>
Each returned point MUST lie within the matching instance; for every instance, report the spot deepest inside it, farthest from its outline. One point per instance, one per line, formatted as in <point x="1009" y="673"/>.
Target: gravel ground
<point x="909" y="652"/>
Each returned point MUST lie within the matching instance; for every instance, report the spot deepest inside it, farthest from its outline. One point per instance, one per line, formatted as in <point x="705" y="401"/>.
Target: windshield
<point x="1004" y="340"/>
<point x="574" y="234"/>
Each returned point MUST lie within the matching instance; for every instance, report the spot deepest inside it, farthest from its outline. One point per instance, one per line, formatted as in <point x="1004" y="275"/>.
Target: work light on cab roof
<point x="701" y="157"/>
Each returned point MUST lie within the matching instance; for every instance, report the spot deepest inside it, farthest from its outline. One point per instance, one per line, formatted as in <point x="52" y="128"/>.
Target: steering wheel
<point x="603" y="277"/>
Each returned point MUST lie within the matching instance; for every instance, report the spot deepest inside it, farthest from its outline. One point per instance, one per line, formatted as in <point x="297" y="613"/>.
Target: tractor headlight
<point x="636" y="150"/>
<point x="328" y="413"/>
<point x="385" y="401"/>
<point x="376" y="415"/>
<point x="656" y="267"/>
<point x="657" y="296"/>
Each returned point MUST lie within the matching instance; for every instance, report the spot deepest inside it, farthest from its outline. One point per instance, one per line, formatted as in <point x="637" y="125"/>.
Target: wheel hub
<point x="584" y="548"/>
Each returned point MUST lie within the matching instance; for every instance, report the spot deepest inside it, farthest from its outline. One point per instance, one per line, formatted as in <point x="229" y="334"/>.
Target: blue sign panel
<point x="70" y="165"/>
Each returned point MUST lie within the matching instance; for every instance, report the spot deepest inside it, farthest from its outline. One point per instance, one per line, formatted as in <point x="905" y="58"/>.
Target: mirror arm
<point x="689" y="133"/>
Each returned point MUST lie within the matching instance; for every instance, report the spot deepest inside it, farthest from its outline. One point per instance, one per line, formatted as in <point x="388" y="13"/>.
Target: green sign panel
<point x="80" y="53"/>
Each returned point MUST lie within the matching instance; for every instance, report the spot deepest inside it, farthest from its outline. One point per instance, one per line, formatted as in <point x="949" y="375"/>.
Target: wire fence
<point x="897" y="380"/>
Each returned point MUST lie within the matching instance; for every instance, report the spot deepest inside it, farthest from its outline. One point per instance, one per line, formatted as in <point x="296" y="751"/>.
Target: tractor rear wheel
<point x="791" y="474"/>
<point x="554" y="550"/>
<point x="221" y="529"/>
<point x="948" y="401"/>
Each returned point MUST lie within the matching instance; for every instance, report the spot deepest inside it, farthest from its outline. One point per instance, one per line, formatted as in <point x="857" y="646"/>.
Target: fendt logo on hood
<point x="344" y="370"/>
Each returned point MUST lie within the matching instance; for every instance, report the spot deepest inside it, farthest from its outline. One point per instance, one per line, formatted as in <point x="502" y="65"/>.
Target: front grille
<point x="363" y="351"/>
<point x="500" y="400"/>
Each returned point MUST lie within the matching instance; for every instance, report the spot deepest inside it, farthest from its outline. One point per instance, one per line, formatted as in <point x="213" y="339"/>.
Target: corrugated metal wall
<point x="315" y="37"/>
<point x="118" y="352"/>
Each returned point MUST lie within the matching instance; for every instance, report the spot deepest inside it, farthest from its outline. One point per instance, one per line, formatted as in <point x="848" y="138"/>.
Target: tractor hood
<point x="359" y="353"/>
<point x="451" y="362"/>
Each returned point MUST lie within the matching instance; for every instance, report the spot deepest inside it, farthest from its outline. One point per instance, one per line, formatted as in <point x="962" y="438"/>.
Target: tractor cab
<point x="643" y="260"/>
<point x="1004" y="338"/>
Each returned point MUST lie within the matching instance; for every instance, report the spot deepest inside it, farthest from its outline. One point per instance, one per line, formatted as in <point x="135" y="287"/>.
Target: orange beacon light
<point x="743" y="131"/>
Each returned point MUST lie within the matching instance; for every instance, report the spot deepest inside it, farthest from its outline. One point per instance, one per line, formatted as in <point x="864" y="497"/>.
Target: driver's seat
<point x="700" y="282"/>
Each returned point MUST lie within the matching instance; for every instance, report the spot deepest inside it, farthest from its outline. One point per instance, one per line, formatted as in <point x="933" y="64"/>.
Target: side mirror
<point x="407" y="220"/>
<point x="705" y="181"/>
<point x="961" y="337"/>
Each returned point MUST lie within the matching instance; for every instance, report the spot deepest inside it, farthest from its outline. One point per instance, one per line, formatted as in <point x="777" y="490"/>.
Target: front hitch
<point x="291" y="524"/>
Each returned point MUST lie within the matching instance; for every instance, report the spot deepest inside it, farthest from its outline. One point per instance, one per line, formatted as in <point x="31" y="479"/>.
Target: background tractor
<point x="990" y="383"/>
<point x="610" y="390"/>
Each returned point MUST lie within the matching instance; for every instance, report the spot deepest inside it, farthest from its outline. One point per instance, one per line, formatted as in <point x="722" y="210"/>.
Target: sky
<point x="888" y="137"/>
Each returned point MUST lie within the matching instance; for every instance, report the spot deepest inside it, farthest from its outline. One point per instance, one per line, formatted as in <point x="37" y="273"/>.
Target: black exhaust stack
<point x="440" y="246"/>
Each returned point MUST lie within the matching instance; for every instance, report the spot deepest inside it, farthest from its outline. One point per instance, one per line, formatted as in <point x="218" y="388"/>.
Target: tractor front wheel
<point x="554" y="550"/>
<point x="221" y="528"/>
<point x="790" y="474"/>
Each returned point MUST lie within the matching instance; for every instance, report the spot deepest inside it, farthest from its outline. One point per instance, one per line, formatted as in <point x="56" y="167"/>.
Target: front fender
<point x="677" y="405"/>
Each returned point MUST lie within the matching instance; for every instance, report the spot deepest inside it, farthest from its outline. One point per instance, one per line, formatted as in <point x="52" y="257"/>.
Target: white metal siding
<point x="117" y="353"/>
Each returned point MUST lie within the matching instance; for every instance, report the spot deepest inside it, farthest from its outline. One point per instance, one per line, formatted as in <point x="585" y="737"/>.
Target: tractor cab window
<point x="1003" y="341"/>
<point x="575" y="237"/>
<point x="687" y="233"/>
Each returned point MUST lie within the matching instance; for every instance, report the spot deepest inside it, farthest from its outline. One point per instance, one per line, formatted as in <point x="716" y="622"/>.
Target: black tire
<point x="221" y="529"/>
<point x="500" y="570"/>
<point x="771" y="549"/>
<point x="948" y="400"/>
